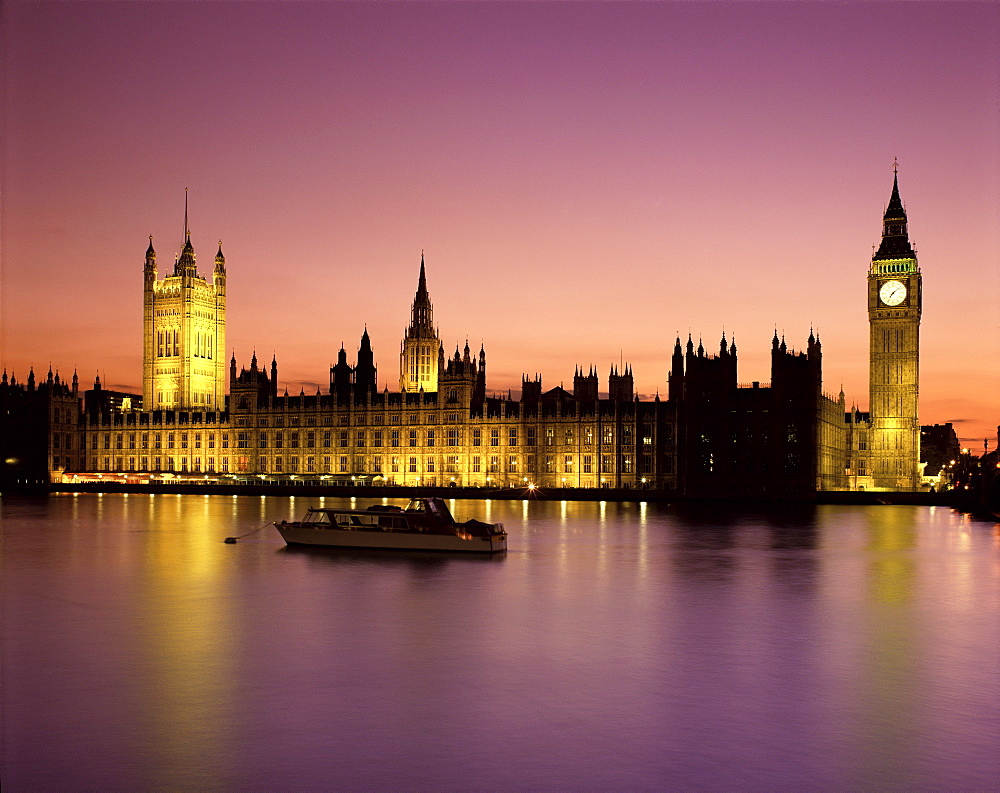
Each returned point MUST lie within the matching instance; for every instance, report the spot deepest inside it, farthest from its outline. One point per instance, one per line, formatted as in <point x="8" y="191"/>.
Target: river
<point x="615" y="646"/>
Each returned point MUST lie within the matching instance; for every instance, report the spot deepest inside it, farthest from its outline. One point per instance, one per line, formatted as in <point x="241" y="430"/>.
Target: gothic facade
<point x="184" y="333"/>
<point x="884" y="444"/>
<point x="711" y="437"/>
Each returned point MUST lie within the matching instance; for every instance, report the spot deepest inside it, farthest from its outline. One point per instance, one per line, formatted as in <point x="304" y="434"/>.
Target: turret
<point x="219" y="276"/>
<point x="531" y="390"/>
<point x="149" y="268"/>
<point x="479" y="394"/>
<point x="341" y="377"/>
<point x="365" y="375"/>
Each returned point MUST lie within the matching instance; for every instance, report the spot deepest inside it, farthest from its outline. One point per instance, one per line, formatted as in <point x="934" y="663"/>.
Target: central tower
<point x="418" y="355"/>
<point x="894" y="305"/>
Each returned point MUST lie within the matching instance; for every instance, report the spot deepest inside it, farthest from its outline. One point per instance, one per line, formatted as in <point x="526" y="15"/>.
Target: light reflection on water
<point x="630" y="646"/>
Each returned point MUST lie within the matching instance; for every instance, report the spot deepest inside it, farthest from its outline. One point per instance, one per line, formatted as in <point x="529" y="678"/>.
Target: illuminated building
<point x="712" y="437"/>
<point x="885" y="444"/>
<point x="184" y="333"/>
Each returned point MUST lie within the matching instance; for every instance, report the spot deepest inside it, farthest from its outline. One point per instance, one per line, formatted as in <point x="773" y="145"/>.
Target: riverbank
<point x="507" y="494"/>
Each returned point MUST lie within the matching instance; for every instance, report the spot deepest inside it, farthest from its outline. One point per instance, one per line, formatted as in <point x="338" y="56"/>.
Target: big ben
<point x="894" y="304"/>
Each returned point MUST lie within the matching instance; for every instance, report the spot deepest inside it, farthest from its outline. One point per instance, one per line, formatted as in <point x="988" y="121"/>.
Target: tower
<point x="894" y="303"/>
<point x="418" y="356"/>
<point x="184" y="333"/>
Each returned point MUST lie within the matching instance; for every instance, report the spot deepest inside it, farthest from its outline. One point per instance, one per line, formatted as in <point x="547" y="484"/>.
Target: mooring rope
<point x="232" y="540"/>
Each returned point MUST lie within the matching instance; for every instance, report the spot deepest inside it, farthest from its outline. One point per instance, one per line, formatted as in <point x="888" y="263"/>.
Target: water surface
<point x="615" y="646"/>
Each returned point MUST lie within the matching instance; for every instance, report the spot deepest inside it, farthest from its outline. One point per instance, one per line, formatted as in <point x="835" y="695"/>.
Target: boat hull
<point x="328" y="537"/>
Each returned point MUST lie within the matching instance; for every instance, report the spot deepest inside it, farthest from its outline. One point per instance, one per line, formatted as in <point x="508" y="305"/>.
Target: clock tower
<point x="894" y="303"/>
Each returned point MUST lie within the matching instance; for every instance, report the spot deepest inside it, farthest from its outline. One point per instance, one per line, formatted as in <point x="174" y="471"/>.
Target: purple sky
<point x="587" y="180"/>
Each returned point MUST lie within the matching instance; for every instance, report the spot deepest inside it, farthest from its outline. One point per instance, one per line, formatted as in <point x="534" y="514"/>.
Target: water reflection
<point x="709" y="646"/>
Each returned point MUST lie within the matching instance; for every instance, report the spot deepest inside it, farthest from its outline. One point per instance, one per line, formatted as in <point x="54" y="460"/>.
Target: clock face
<point x="892" y="293"/>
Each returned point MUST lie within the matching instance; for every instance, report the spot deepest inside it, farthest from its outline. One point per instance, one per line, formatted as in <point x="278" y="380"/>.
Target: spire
<point x="895" y="207"/>
<point x="150" y="253"/>
<point x="895" y="241"/>
<point x="185" y="264"/>
<point x="422" y="313"/>
<point x="220" y="260"/>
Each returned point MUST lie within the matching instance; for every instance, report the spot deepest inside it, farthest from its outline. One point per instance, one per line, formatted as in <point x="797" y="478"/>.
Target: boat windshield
<point x="416" y="505"/>
<point x="316" y="516"/>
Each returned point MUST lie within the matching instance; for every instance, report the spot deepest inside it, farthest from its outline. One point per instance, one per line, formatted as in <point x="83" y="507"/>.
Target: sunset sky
<point x="587" y="180"/>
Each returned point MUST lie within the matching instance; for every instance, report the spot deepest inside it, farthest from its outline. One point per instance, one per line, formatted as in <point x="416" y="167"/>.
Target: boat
<point x="426" y="524"/>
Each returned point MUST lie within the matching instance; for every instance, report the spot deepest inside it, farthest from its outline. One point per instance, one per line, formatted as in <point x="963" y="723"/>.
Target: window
<point x="413" y="438"/>
<point x="608" y="436"/>
<point x="494" y="464"/>
<point x="243" y="440"/>
<point x="310" y="464"/>
<point x="588" y="463"/>
<point x="549" y="464"/>
<point x="279" y="440"/>
<point x="512" y="436"/>
<point x="512" y="463"/>
<point x="588" y="436"/>
<point x="293" y="440"/>
<point x="430" y="437"/>
<point x="326" y="464"/>
<point x="477" y="437"/>
<point x="262" y="440"/>
<point x="451" y="464"/>
<point x="359" y="439"/>
<point x="453" y="436"/>
<point x="568" y="464"/>
<point x="394" y="464"/>
<point x="568" y="437"/>
<point x="413" y="465"/>
<point x="326" y="438"/>
<point x="494" y="437"/>
<point x="532" y="438"/>
<point x="342" y="464"/>
<point x="342" y="439"/>
<point x="311" y="439"/>
<point x="430" y="465"/>
<point x="476" y="465"/>
<point x="627" y="434"/>
<point x="627" y="464"/>
<point x="377" y="438"/>
<point x="394" y="438"/>
<point x="377" y="463"/>
<point x="606" y="467"/>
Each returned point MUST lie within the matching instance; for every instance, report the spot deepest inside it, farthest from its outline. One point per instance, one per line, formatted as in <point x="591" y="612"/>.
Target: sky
<point x="587" y="181"/>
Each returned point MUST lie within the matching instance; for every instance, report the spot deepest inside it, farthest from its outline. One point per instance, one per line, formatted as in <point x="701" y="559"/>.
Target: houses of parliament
<point x="438" y="426"/>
